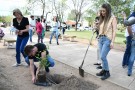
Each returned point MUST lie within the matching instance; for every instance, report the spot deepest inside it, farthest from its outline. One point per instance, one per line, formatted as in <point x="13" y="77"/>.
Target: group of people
<point x="31" y="53"/>
<point x="106" y="26"/>
<point x="40" y="26"/>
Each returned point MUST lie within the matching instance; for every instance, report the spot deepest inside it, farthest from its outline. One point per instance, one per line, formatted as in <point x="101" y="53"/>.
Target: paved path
<point x="71" y="53"/>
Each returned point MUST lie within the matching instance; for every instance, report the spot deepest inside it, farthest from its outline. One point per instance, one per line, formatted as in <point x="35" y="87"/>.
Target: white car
<point x="88" y="28"/>
<point x="81" y="28"/>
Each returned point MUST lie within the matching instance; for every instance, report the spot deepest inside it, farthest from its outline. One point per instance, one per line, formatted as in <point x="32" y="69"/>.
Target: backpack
<point x="1" y="33"/>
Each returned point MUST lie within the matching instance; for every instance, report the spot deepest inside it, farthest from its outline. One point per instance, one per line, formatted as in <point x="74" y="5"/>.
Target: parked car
<point x="88" y="28"/>
<point x="3" y="24"/>
<point x="80" y="28"/>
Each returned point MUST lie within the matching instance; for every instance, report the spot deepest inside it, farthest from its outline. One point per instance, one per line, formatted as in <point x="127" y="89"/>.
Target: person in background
<point x="131" y="32"/>
<point x="2" y="34"/>
<point x="44" y="27"/>
<point x="107" y="32"/>
<point x="21" y="23"/>
<point x="39" y="29"/>
<point x="64" y="27"/>
<point x="54" y="30"/>
<point x="32" y="27"/>
<point x="99" y="66"/>
<point x="128" y="45"/>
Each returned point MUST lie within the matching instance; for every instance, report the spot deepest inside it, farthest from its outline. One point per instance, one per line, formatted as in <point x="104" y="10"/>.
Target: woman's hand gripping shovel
<point x="81" y="71"/>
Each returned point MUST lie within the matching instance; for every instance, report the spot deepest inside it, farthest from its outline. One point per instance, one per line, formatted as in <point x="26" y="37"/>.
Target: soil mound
<point x="74" y="83"/>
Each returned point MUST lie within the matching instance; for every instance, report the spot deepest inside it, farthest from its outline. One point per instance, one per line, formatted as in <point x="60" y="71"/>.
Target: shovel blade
<point x="81" y="71"/>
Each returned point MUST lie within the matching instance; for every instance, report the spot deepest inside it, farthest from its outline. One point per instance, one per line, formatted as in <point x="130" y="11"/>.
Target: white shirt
<point x="33" y="23"/>
<point x="132" y="28"/>
<point x="43" y="24"/>
<point x="54" y="26"/>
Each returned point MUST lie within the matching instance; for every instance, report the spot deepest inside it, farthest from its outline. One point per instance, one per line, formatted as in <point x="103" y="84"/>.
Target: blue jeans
<point x="30" y="34"/>
<point x="40" y="38"/>
<point x="63" y="31"/>
<point x="104" y="48"/>
<point x="51" y="61"/>
<point x="127" y="51"/>
<point x="132" y="58"/>
<point x="52" y="34"/>
<point x="20" y="45"/>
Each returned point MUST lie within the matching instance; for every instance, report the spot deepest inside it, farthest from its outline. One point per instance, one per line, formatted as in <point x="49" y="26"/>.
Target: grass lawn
<point x="87" y="34"/>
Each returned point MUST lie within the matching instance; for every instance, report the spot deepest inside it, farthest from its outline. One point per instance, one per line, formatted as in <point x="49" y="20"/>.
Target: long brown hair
<point x="105" y="18"/>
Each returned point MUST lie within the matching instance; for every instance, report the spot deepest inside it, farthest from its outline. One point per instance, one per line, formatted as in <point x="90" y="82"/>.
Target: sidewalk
<point x="72" y="53"/>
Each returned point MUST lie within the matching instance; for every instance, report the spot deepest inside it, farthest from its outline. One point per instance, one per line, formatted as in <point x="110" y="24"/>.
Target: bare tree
<point x="79" y="5"/>
<point x="59" y="7"/>
<point x="33" y="3"/>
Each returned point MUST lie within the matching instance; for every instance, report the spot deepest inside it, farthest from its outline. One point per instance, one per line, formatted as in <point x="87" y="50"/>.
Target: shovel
<point x="81" y="71"/>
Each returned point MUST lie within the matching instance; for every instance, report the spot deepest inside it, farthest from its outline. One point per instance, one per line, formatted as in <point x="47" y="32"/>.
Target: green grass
<point x="120" y="38"/>
<point x="87" y="34"/>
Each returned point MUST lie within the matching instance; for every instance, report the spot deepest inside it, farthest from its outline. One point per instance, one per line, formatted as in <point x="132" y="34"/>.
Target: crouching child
<point x="38" y="53"/>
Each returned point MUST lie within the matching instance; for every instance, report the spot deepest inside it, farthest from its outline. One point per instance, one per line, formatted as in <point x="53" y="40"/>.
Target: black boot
<point x="50" y="42"/>
<point x="57" y="43"/>
<point x="106" y="75"/>
<point x="101" y="73"/>
<point x="99" y="67"/>
<point x="47" y="69"/>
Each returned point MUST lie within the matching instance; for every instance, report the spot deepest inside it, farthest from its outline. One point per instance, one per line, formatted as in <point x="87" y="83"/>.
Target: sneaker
<point x="97" y="63"/>
<point x="124" y="66"/>
<point x="101" y="73"/>
<point x="99" y="67"/>
<point x="26" y="65"/>
<point x="16" y="65"/>
<point x="105" y="75"/>
<point x="129" y="75"/>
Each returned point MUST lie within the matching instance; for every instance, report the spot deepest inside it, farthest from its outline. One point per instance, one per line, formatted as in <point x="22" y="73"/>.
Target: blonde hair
<point x="17" y="11"/>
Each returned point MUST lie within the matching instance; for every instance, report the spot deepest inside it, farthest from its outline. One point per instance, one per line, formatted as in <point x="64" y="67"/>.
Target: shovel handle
<point x="87" y="49"/>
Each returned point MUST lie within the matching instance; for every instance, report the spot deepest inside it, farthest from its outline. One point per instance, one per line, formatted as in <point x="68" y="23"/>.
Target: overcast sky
<point x="7" y="6"/>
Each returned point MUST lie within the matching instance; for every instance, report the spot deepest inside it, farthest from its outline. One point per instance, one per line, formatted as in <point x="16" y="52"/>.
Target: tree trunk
<point x="43" y="9"/>
<point x="76" y="24"/>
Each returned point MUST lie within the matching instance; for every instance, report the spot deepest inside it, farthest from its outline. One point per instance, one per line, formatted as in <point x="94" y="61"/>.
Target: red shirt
<point x="39" y="27"/>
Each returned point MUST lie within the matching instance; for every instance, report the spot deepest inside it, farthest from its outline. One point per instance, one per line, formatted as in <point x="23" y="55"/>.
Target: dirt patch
<point x="5" y="82"/>
<point x="19" y="78"/>
<point x="72" y="83"/>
